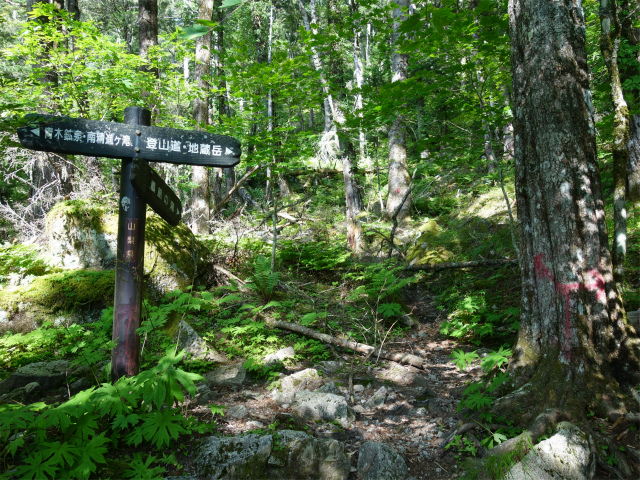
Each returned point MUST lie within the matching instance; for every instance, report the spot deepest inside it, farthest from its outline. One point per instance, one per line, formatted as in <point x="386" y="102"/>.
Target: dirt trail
<point x="419" y="409"/>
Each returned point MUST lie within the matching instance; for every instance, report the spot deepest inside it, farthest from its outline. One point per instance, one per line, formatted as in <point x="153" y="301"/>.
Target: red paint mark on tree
<point x="596" y="284"/>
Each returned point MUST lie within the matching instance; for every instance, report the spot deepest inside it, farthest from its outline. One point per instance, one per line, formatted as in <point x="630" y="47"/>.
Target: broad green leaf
<point x="35" y="467"/>
<point x="195" y="31"/>
<point x="230" y="3"/>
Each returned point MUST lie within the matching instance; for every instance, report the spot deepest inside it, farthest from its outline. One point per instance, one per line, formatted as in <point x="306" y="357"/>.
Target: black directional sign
<point x="134" y="142"/>
<point x="117" y="140"/>
<point x="153" y="190"/>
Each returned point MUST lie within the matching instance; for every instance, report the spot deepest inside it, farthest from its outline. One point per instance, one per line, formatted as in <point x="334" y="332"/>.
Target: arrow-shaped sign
<point x="155" y="192"/>
<point x="78" y="136"/>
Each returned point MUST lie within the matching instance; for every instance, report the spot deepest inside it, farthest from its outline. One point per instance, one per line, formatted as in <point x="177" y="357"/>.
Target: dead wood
<point x="236" y="187"/>
<point x="497" y="262"/>
<point x="404" y="358"/>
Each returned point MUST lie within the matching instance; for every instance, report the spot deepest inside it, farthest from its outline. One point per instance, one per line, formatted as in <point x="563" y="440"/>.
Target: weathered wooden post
<point x="134" y="142"/>
<point x="132" y="213"/>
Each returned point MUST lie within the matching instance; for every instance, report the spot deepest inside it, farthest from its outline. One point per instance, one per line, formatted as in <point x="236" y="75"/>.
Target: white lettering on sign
<point x="152" y="143"/>
<point x="153" y="186"/>
<point x="193" y="147"/>
<point x="163" y="144"/>
<point x="100" y="138"/>
<point x="159" y="192"/>
<point x="205" y="149"/>
<point x="58" y="134"/>
<point x="216" y="150"/>
<point x="126" y="141"/>
<point x="91" y="137"/>
<point x="108" y="139"/>
<point x="172" y="207"/>
<point x="77" y="136"/>
<point x="175" y="146"/>
<point x="48" y="132"/>
<point x="68" y="134"/>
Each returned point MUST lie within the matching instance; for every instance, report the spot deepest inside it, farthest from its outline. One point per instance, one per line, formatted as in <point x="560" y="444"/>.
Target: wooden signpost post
<point x="134" y="142"/>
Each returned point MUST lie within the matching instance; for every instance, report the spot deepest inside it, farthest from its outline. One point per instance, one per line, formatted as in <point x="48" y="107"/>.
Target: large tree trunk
<point x="399" y="178"/>
<point x="574" y="348"/>
<point x="200" y="195"/>
<point x="609" y="46"/>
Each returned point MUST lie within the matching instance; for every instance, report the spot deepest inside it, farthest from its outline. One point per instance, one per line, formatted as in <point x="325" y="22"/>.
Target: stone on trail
<point x="564" y="456"/>
<point x="288" y="454"/>
<point x="378" y="398"/>
<point x="49" y="375"/>
<point x="187" y="339"/>
<point x="377" y="461"/>
<point x="307" y="379"/>
<point x="279" y="356"/>
<point x="330" y="387"/>
<point x="237" y="411"/>
<point x="323" y="407"/>
<point x="231" y="375"/>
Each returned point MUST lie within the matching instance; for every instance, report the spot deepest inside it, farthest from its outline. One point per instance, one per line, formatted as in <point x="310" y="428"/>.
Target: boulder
<point x="237" y="411"/>
<point x="329" y="366"/>
<point x="564" y="456"/>
<point x="230" y="375"/>
<point x="82" y="234"/>
<point x="231" y="458"/>
<point x="279" y="356"/>
<point x="377" y="461"/>
<point x="287" y="454"/>
<point x="307" y="379"/>
<point x="330" y="387"/>
<point x="377" y="399"/>
<point x="48" y="375"/>
<point x="320" y="406"/>
<point x="194" y="345"/>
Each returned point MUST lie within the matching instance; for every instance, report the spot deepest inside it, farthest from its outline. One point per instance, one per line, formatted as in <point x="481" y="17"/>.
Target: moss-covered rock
<point x="174" y="257"/>
<point x="81" y="234"/>
<point x="425" y="250"/>
<point x="84" y="235"/>
<point x="76" y="292"/>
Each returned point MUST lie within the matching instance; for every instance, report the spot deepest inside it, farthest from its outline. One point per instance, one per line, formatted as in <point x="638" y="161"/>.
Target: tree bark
<point x="353" y="201"/>
<point x="609" y="46"/>
<point x="633" y="167"/>
<point x="575" y="349"/>
<point x="201" y="194"/>
<point x="398" y="168"/>
<point x="147" y="29"/>
<point x="629" y="69"/>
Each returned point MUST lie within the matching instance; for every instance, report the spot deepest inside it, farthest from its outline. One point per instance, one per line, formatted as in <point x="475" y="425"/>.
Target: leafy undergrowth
<point x="73" y="439"/>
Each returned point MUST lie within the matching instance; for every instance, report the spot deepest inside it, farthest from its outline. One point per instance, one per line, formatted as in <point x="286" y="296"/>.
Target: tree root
<point x="404" y="358"/>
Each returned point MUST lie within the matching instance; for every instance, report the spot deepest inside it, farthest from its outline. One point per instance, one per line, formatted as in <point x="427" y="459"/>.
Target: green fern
<point x="263" y="280"/>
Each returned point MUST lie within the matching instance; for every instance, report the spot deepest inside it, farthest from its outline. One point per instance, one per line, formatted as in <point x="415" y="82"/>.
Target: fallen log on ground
<point x="498" y="262"/>
<point x="405" y="358"/>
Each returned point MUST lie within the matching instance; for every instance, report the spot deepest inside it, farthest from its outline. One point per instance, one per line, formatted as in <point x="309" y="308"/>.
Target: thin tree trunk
<point x="609" y="45"/>
<point x="148" y="30"/>
<point x="201" y="194"/>
<point x="629" y="69"/>
<point x="398" y="168"/>
<point x="633" y="168"/>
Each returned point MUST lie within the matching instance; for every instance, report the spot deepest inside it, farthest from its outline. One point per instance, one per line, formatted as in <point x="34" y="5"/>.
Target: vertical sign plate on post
<point x="125" y="357"/>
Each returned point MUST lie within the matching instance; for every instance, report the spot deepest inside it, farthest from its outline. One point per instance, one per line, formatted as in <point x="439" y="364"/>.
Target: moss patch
<point x="87" y="215"/>
<point x="69" y="291"/>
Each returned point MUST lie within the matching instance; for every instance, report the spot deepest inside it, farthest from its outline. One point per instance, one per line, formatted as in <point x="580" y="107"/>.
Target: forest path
<point x="420" y="407"/>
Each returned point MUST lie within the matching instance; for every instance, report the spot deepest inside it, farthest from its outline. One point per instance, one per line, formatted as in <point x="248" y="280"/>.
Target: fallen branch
<point x="236" y="186"/>
<point x="405" y="358"/>
<point x="499" y="262"/>
<point x="240" y="282"/>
